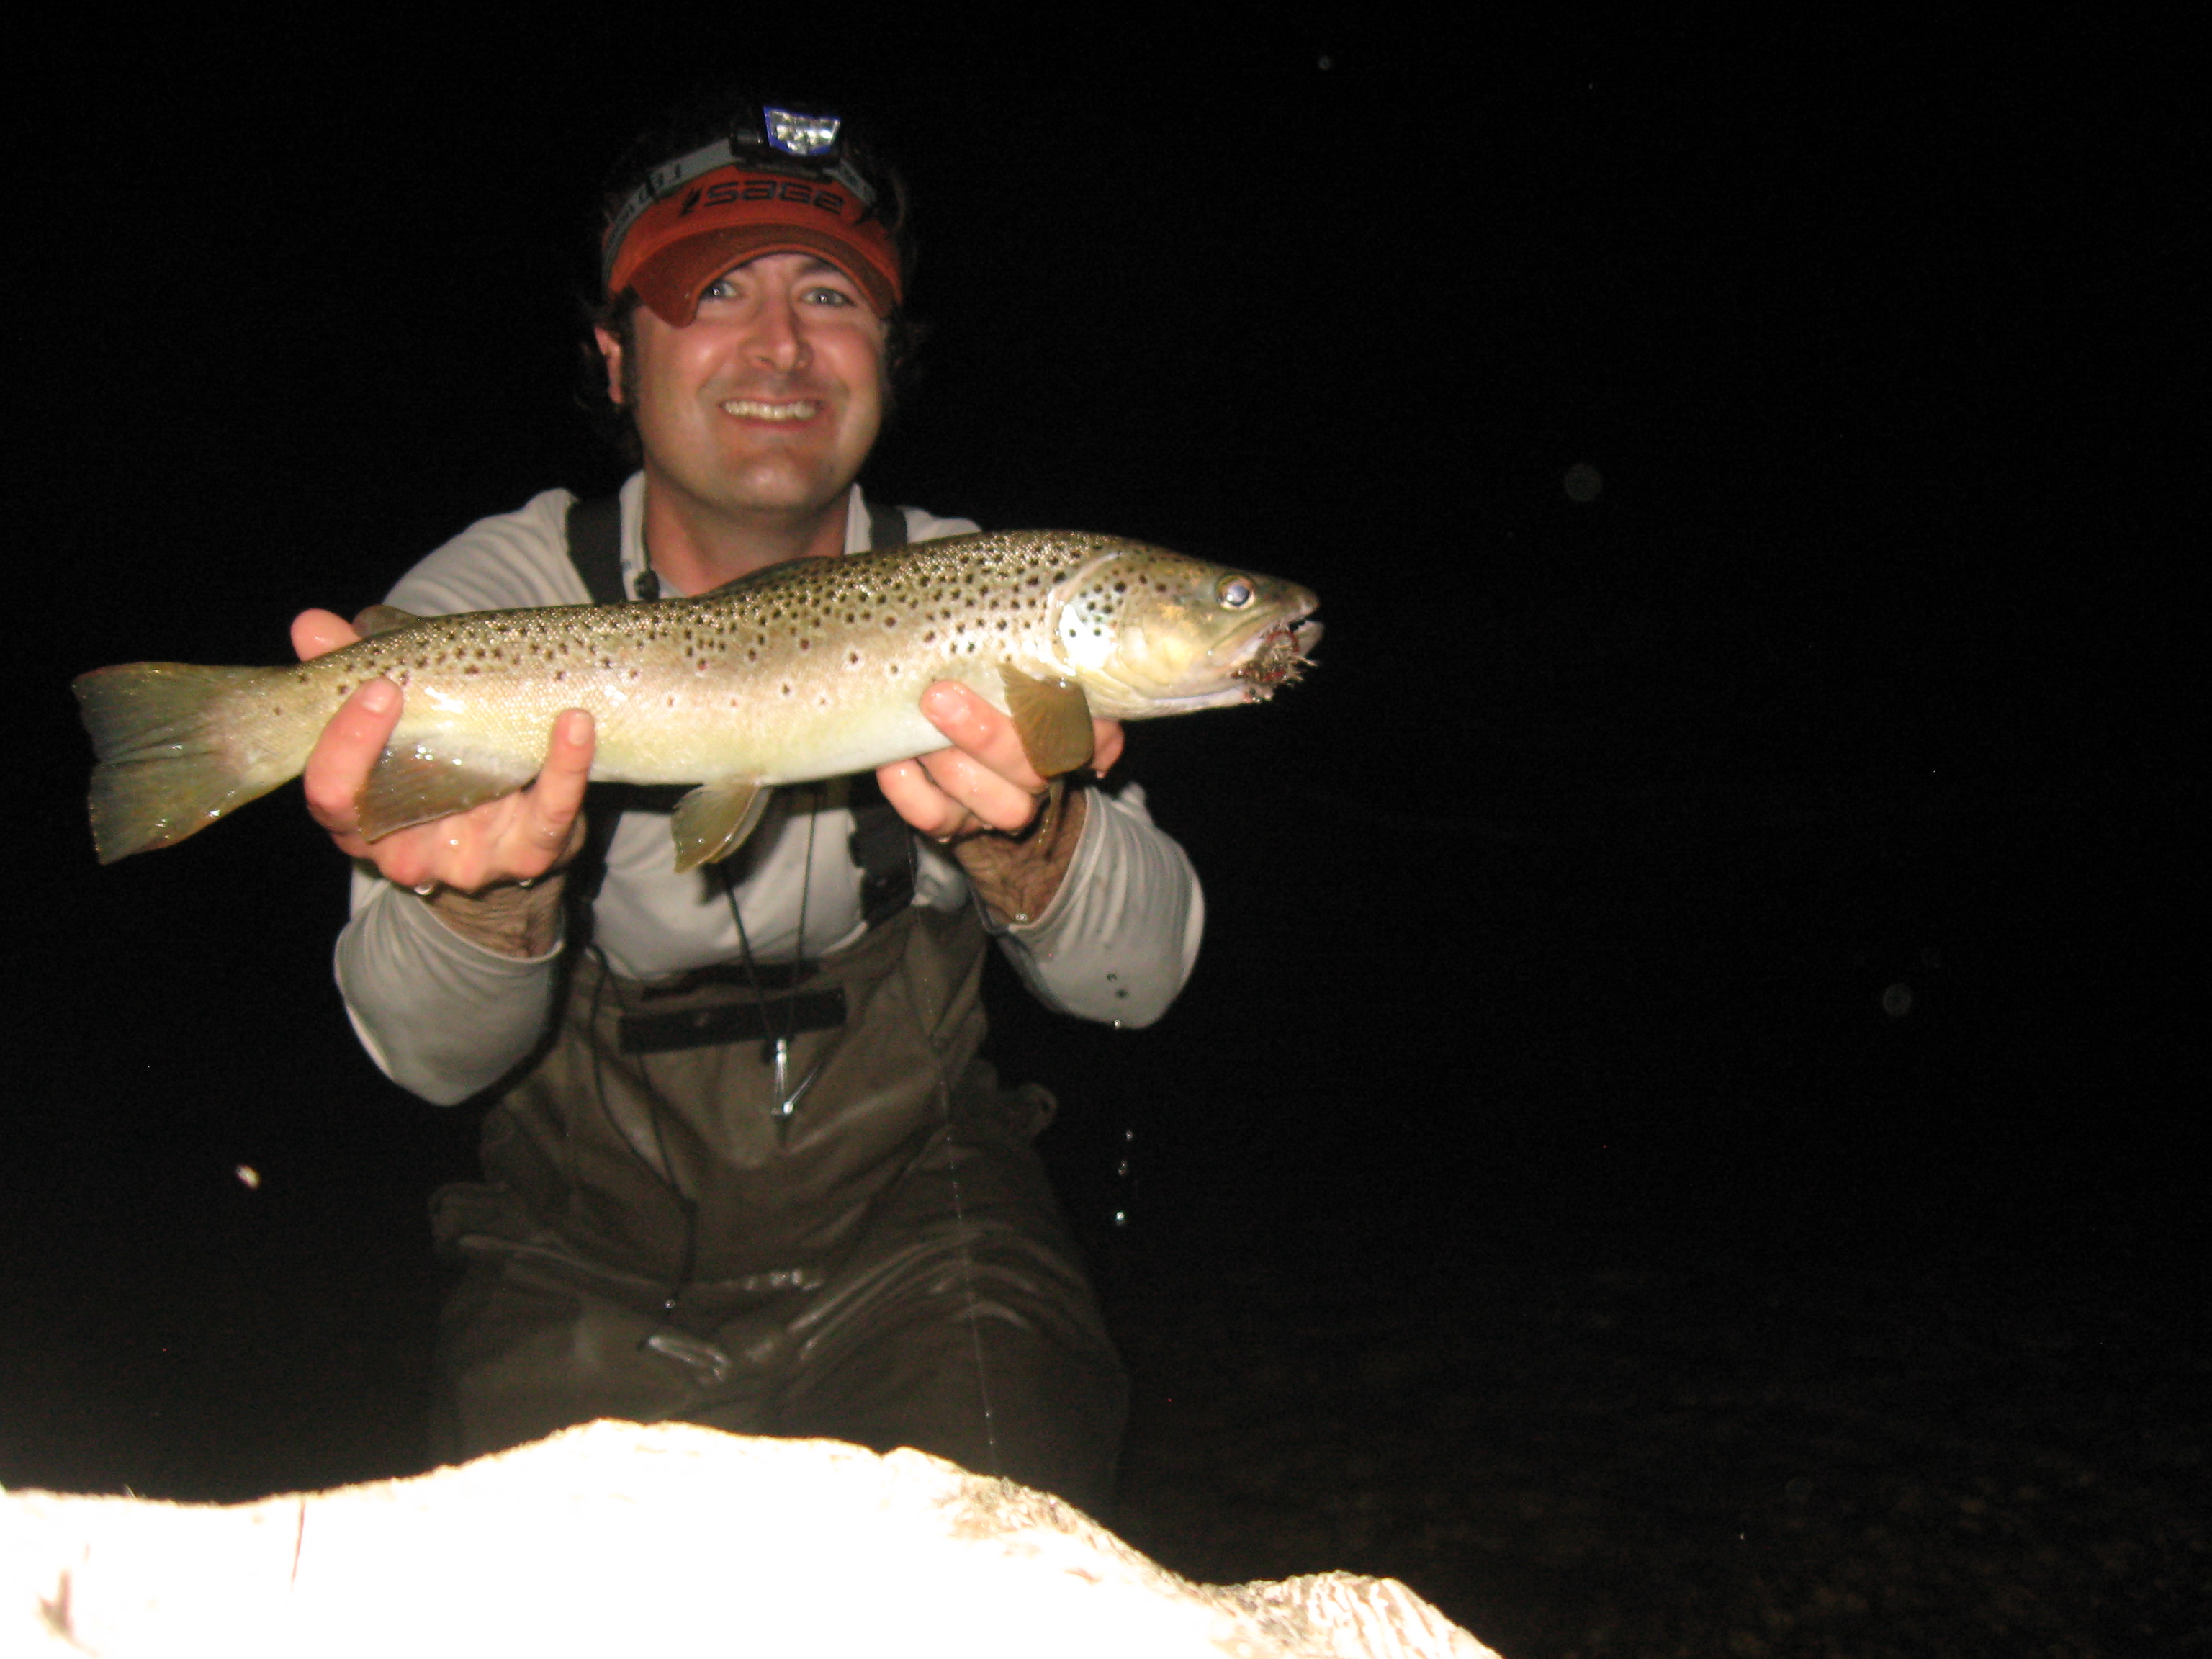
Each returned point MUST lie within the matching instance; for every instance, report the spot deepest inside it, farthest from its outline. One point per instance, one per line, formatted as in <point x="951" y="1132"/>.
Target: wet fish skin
<point x="806" y="669"/>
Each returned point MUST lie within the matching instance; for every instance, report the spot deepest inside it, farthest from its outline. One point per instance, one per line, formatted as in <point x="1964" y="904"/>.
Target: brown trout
<point x="808" y="669"/>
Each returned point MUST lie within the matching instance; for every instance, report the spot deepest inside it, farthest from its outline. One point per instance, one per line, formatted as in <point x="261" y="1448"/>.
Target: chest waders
<point x="777" y="1199"/>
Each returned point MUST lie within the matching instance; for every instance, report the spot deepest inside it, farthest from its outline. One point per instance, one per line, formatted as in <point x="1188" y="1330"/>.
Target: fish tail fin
<point x="173" y="755"/>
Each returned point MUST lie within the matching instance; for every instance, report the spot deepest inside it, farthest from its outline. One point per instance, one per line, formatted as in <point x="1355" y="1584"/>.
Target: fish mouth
<point x="1276" y="657"/>
<point x="761" y="409"/>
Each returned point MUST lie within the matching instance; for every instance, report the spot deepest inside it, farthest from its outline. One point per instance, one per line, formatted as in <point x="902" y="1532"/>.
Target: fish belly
<point x="681" y="727"/>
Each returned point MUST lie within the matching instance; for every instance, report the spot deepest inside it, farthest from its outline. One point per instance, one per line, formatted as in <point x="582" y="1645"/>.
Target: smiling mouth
<point x="756" y="409"/>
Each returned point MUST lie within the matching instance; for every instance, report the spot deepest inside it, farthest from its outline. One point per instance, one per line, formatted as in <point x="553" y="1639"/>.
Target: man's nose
<point x="779" y="335"/>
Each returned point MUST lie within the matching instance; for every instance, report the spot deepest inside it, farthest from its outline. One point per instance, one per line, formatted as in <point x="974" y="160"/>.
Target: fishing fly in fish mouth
<point x="805" y="670"/>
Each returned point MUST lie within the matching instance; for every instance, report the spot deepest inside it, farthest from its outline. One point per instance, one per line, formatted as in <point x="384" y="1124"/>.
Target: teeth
<point x="754" y="408"/>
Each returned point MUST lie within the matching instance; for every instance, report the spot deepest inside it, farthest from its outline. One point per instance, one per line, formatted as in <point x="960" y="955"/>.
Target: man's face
<point x="768" y="400"/>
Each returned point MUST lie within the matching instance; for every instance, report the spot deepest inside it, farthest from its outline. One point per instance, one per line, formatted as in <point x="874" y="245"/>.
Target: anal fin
<point x="412" y="785"/>
<point x="713" y="821"/>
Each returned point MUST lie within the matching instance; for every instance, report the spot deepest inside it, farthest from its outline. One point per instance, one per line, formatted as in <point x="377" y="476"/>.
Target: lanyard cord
<point x="786" y="1098"/>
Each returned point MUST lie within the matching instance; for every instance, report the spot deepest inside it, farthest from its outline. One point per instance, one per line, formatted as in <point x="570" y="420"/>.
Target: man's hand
<point x="473" y="858"/>
<point x="985" y="783"/>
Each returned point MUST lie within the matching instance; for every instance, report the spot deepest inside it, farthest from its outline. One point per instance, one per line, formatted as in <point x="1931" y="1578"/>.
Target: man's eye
<point x="829" y="296"/>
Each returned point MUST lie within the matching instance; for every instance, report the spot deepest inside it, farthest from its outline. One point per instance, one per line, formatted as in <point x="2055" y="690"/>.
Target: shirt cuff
<point x="441" y="1016"/>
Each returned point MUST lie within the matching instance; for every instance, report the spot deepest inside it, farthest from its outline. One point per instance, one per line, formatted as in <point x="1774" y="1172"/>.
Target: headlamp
<point x="794" y="134"/>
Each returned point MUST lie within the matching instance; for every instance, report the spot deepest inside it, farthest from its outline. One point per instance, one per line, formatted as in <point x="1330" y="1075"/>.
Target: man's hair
<point x="697" y="121"/>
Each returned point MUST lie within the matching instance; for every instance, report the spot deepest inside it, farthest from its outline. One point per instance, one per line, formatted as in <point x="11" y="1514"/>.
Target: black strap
<point x="880" y="844"/>
<point x="886" y="528"/>
<point x="595" y="548"/>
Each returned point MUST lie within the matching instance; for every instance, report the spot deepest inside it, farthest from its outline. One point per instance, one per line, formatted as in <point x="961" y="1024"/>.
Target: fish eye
<point x="1235" y="592"/>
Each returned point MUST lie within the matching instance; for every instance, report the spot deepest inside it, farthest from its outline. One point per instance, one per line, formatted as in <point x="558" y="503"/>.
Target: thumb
<point x="317" y="632"/>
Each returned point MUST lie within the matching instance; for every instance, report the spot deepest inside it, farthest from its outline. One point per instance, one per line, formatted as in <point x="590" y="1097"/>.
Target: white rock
<point x="622" y="1537"/>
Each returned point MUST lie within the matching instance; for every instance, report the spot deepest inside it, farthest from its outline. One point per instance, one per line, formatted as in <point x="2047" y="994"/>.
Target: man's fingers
<point x="980" y="732"/>
<point x="986" y="776"/>
<point x="914" y="796"/>
<point x="338" y="766"/>
<point x="558" y="794"/>
<point x="993" y="799"/>
<point x="314" y="633"/>
<point x="1106" y="740"/>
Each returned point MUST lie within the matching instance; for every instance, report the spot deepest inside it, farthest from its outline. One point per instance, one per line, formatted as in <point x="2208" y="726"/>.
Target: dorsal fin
<point x="384" y="619"/>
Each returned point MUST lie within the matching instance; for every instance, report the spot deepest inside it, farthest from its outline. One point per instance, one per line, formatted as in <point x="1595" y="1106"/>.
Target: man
<point x="747" y="1167"/>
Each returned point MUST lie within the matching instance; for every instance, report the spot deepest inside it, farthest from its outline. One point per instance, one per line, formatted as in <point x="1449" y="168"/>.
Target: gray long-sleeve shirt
<point x="445" y="1018"/>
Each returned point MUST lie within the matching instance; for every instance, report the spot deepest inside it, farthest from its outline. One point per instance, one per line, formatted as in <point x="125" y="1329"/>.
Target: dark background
<point x="1695" y="1078"/>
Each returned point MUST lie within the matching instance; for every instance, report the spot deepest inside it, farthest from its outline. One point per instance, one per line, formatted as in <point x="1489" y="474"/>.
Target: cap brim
<point x="672" y="280"/>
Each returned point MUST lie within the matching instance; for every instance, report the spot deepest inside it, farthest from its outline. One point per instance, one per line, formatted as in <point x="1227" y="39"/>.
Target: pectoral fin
<point x="412" y="785"/>
<point x="1053" y="718"/>
<point x="383" y="619"/>
<point x="713" y="821"/>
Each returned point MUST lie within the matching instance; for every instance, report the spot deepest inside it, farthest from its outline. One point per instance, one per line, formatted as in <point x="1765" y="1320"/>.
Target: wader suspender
<point x="880" y="843"/>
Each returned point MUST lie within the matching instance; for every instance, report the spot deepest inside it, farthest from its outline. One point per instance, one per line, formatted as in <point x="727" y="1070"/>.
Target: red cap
<point x="685" y="241"/>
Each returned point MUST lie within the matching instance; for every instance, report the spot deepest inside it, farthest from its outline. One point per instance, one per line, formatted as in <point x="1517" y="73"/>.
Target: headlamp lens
<point x="798" y="134"/>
